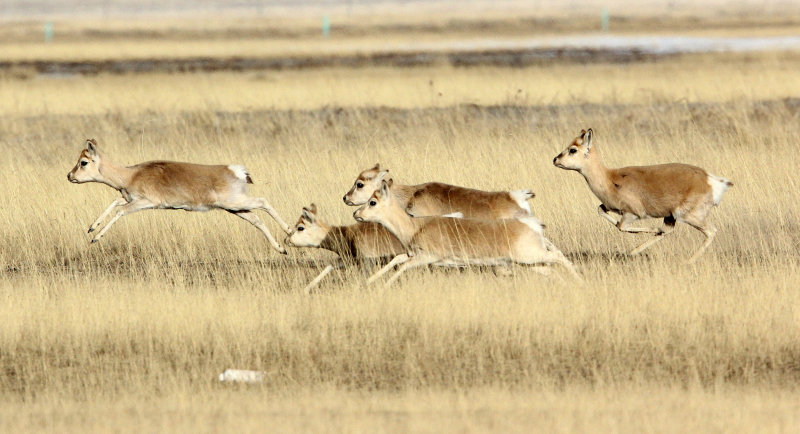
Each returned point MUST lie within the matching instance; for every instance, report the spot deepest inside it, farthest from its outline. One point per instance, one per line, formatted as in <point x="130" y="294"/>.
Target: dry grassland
<point x="711" y="78"/>
<point x="129" y="334"/>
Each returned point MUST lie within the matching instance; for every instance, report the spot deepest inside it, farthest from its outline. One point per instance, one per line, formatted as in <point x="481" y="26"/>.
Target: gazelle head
<point x="377" y="206"/>
<point x="577" y="154"/>
<point x="88" y="167"/>
<point x="367" y="182"/>
<point x="309" y="231"/>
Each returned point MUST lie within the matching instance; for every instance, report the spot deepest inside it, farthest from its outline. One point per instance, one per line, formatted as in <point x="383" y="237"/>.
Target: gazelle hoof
<point x="90" y="230"/>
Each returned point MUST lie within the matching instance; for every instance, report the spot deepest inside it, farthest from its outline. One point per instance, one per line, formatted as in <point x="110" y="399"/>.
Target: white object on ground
<point x="242" y="376"/>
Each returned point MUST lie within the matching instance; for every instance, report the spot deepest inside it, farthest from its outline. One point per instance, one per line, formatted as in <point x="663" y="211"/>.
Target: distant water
<point x="654" y="45"/>
<point x="466" y="52"/>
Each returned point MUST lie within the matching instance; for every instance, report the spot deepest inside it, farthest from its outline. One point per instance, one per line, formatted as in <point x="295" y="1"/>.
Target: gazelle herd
<point x="424" y="224"/>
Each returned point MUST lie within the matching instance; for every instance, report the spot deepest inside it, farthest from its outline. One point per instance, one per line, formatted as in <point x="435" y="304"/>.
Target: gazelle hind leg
<point x="399" y="259"/>
<point x="246" y="203"/>
<point x="548" y="245"/>
<point x="566" y="263"/>
<point x="502" y="270"/>
<point x="669" y="226"/>
<point x="417" y="260"/>
<point x="697" y="219"/>
<point x="548" y="257"/>
<point x="318" y="279"/>
<point x="256" y="221"/>
<point x="274" y="214"/>
<point x="544" y="270"/>
<point x="710" y="232"/>
<point x="129" y="208"/>
<point x="118" y="202"/>
<point x="556" y="257"/>
<point x="629" y="218"/>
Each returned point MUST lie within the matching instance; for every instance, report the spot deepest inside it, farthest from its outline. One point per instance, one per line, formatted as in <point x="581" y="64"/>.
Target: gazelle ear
<point x="385" y="188"/>
<point x="377" y="167"/>
<point x="308" y="216"/>
<point x="389" y="182"/>
<point x="91" y="146"/>
<point x="587" y="138"/>
<point x="310" y="213"/>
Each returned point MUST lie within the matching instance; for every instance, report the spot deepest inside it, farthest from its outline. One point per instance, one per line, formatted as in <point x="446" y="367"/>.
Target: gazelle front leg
<point x="603" y="211"/>
<point x="118" y="202"/>
<point x="417" y="261"/>
<point x="399" y="259"/>
<point x="129" y="208"/>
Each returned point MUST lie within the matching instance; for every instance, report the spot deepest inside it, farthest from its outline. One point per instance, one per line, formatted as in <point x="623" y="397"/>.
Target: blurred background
<point x="269" y="35"/>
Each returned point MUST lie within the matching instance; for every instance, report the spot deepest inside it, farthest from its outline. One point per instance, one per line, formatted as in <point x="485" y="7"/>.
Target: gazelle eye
<point x="573" y="150"/>
<point x="84" y="162"/>
<point x="360" y="185"/>
<point x="300" y="229"/>
<point x="373" y="202"/>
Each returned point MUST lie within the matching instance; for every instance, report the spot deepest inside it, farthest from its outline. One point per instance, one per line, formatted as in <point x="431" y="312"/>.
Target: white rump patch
<point x="239" y="171"/>
<point x="719" y="186"/>
<point x="454" y="215"/>
<point x="534" y="224"/>
<point x="521" y="198"/>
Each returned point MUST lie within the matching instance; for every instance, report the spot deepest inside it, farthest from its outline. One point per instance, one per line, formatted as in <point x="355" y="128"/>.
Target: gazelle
<point x="448" y="241"/>
<point x="435" y="198"/>
<point x="172" y="185"/>
<point x="353" y="243"/>
<point x="675" y="192"/>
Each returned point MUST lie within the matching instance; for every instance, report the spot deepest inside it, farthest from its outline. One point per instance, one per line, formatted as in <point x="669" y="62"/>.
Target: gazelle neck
<point x="597" y="175"/>
<point x="117" y="177"/>
<point x="400" y="224"/>
<point x="334" y="238"/>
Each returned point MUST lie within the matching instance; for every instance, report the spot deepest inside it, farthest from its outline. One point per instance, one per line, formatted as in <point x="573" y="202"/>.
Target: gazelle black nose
<point x="344" y="198"/>
<point x="554" y="160"/>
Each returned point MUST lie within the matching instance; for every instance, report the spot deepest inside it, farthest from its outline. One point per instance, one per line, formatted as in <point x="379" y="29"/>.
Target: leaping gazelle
<point x="675" y="192"/>
<point x="172" y="185"/>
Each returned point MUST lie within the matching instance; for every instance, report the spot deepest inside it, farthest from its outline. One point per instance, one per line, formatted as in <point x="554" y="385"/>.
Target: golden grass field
<point x="131" y="333"/>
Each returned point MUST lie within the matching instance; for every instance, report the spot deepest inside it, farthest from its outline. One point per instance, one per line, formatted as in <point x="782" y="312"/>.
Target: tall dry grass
<point x="713" y="78"/>
<point x="142" y="322"/>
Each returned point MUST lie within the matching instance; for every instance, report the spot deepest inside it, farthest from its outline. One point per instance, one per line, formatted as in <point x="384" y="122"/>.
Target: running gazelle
<point x="356" y="243"/>
<point x="172" y="185"/>
<point x="436" y="198"/>
<point x="440" y="240"/>
<point x="675" y="192"/>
